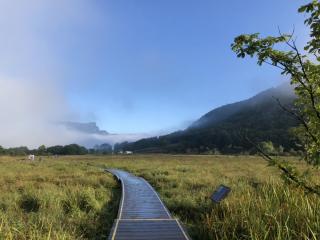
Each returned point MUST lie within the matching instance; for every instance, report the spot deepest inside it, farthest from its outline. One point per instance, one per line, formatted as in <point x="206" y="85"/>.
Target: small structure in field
<point x="128" y="152"/>
<point x="221" y="193"/>
<point x="31" y="157"/>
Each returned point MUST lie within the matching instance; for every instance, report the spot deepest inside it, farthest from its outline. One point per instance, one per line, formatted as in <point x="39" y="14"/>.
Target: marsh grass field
<point x="72" y="198"/>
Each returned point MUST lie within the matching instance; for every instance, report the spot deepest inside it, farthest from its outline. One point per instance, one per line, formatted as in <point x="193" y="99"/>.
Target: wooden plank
<point x="142" y="214"/>
<point x="149" y="229"/>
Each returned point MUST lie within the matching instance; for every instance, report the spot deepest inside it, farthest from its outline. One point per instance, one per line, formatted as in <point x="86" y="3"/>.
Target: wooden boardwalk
<point x="142" y="215"/>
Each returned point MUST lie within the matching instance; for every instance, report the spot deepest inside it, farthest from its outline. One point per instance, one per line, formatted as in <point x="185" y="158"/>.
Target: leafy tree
<point x="267" y="147"/>
<point x="2" y="150"/>
<point x="55" y="150"/>
<point x="74" y="149"/>
<point x="18" y="151"/>
<point x="304" y="70"/>
<point x="71" y="149"/>
<point x="42" y="150"/>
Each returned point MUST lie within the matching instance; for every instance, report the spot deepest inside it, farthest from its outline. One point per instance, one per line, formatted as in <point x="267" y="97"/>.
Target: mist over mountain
<point x="91" y="135"/>
<point x="90" y="127"/>
<point x="266" y="99"/>
<point x="260" y="118"/>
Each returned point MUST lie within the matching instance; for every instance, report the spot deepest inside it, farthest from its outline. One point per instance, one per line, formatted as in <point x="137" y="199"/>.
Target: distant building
<point x="128" y="152"/>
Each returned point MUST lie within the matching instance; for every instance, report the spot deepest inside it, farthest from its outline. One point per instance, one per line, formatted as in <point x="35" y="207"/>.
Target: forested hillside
<point x="223" y="129"/>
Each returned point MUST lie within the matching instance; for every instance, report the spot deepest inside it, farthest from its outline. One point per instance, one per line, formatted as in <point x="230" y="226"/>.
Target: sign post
<point x="221" y="193"/>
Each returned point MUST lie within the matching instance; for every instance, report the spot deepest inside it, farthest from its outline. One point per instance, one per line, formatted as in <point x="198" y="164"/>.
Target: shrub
<point x="29" y="203"/>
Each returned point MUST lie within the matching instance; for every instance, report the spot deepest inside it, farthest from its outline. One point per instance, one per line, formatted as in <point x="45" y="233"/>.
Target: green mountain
<point x="260" y="118"/>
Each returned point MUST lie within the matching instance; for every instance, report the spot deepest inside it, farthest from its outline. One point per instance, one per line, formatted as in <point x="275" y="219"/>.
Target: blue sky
<point x="139" y="66"/>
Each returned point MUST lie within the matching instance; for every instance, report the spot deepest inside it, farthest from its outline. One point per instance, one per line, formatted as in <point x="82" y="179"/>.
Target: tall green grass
<point x="55" y="199"/>
<point x="71" y="198"/>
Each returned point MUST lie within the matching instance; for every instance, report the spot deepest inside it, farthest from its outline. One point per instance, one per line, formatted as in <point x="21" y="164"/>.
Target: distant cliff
<point x="90" y="127"/>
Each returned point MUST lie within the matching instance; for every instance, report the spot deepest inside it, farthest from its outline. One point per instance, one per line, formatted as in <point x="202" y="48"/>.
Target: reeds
<point x="72" y="198"/>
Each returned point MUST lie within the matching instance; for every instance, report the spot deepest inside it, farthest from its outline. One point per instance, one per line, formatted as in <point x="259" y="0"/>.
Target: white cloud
<point x="32" y="91"/>
<point x="30" y="111"/>
<point x="92" y="139"/>
<point x="33" y="30"/>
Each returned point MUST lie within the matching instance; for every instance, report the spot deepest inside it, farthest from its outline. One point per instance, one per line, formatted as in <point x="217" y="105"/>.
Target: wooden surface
<point x="142" y="214"/>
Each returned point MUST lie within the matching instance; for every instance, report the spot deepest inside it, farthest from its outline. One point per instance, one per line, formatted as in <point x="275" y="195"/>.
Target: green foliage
<point x="29" y="203"/>
<point x="253" y="45"/>
<point x="74" y="149"/>
<point x="268" y="147"/>
<point x="56" y="150"/>
<point x="2" y="150"/>
<point x="304" y="71"/>
<point x="42" y="150"/>
<point x="17" y="151"/>
<point x="71" y="149"/>
<point x="313" y="9"/>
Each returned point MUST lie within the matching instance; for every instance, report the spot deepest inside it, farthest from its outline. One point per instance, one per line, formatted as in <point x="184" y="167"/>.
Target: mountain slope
<point x="266" y="99"/>
<point x="260" y="118"/>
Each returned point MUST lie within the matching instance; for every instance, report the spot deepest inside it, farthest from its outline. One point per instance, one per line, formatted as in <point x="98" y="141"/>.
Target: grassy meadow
<point x="72" y="198"/>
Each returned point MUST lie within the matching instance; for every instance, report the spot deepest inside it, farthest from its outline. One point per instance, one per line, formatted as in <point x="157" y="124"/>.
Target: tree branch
<point x="310" y="89"/>
<point x="299" y="118"/>
<point x="286" y="171"/>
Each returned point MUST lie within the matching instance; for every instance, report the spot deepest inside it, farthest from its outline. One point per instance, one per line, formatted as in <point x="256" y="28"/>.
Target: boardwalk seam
<point x="158" y="198"/>
<point x="148" y="219"/>
<point x="122" y="199"/>
<point x="121" y="207"/>
<point x="185" y="235"/>
<point x="115" y="230"/>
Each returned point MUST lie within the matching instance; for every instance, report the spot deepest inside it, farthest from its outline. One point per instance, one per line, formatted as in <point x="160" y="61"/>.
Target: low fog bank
<point x="30" y="111"/>
<point x="91" y="140"/>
